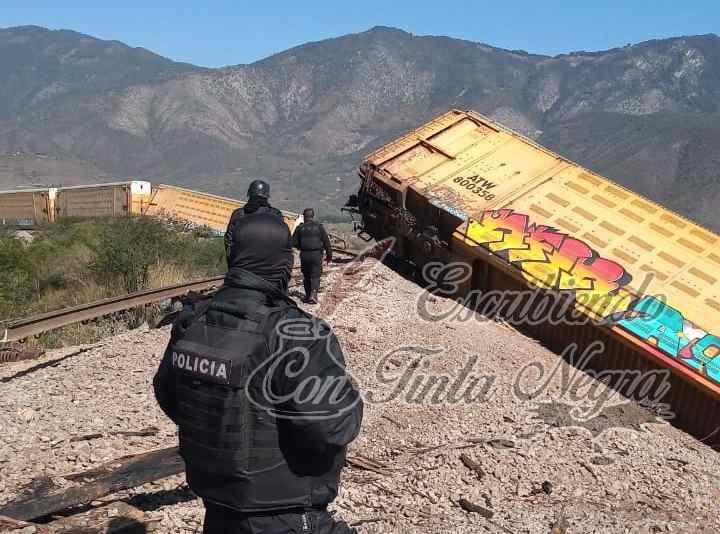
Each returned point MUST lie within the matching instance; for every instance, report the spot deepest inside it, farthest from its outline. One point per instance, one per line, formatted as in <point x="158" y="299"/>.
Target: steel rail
<point x="37" y="324"/>
<point x="32" y="326"/>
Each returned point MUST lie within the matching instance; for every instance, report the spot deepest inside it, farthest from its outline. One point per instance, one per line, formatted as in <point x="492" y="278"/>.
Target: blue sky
<point x="225" y="32"/>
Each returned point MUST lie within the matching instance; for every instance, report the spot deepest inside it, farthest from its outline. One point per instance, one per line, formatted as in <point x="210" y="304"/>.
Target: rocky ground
<point x="427" y="455"/>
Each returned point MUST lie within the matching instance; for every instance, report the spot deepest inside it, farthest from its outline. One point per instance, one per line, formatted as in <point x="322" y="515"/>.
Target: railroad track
<point x="38" y="324"/>
<point x="33" y="326"/>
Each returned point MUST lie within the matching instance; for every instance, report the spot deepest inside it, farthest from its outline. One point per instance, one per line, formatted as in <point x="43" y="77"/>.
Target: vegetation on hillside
<point x="78" y="261"/>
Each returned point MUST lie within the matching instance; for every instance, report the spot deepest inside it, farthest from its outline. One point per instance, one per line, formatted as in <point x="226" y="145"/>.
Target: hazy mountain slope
<point x="679" y="74"/>
<point x="304" y="117"/>
<point x="39" y="66"/>
<point x="25" y="170"/>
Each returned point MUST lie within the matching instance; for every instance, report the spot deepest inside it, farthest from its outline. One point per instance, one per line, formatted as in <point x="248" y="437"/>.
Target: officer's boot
<point x="313" y="297"/>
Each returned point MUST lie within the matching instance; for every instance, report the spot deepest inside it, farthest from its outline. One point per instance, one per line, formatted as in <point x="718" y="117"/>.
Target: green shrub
<point x="16" y="282"/>
<point x="61" y="254"/>
<point x="203" y="254"/>
<point x="76" y="261"/>
<point x="126" y="250"/>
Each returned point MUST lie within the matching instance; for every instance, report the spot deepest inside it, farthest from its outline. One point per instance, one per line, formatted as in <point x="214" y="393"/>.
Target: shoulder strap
<point x="235" y="311"/>
<point x="182" y="321"/>
<point x="261" y="317"/>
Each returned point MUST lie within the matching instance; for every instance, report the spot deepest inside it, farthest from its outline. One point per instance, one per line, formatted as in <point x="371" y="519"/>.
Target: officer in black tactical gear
<point x="259" y="392"/>
<point x="258" y="195"/>
<point x="311" y="239"/>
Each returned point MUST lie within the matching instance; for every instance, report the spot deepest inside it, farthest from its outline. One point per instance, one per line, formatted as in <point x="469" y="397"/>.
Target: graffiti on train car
<point x="554" y="258"/>
<point x="551" y="258"/>
<point x="664" y="327"/>
<point x="703" y="352"/>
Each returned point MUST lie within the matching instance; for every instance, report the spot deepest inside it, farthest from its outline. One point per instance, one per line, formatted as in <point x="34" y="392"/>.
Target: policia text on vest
<point x="208" y="368"/>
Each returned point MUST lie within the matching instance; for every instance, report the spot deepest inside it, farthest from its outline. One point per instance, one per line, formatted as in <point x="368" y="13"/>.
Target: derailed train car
<point x="202" y="209"/>
<point x="526" y="224"/>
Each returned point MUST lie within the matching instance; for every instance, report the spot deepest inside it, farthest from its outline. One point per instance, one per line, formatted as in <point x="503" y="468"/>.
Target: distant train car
<point x="27" y="207"/>
<point x="35" y="207"/>
<point x="103" y="200"/>
<point x="462" y="188"/>
<point x="201" y="209"/>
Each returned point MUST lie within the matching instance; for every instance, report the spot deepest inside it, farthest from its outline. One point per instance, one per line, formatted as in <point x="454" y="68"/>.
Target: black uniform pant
<point x="311" y="262"/>
<point x="221" y="520"/>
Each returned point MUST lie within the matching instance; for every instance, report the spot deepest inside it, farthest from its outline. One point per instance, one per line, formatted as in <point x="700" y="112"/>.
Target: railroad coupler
<point x="430" y="242"/>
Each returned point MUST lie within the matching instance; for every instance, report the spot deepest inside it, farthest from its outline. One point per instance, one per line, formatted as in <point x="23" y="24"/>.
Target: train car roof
<point x="106" y="184"/>
<point x="66" y="187"/>
<point x="26" y="190"/>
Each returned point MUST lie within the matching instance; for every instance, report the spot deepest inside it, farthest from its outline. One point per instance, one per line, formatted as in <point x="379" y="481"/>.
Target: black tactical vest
<point x="232" y="447"/>
<point x="310" y="236"/>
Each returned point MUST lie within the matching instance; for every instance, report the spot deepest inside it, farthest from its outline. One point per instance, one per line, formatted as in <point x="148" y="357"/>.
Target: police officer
<point x="311" y="239"/>
<point x="257" y="201"/>
<point x="259" y="392"/>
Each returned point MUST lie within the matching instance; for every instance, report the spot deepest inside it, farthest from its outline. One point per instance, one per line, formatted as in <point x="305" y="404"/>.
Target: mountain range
<point x="75" y="109"/>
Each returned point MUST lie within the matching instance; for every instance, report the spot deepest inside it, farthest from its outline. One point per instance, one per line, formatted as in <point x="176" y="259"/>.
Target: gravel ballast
<point x="491" y="461"/>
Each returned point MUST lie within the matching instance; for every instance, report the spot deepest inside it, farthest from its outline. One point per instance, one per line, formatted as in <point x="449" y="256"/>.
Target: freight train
<point x="528" y="223"/>
<point x="36" y="207"/>
<point x="202" y="209"/>
<point x="30" y="208"/>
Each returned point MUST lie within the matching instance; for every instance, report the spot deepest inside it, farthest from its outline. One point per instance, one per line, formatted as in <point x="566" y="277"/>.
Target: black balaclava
<point x="262" y="246"/>
<point x="255" y="202"/>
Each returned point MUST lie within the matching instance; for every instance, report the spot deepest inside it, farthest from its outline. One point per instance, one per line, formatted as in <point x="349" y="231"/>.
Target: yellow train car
<point x="103" y="200"/>
<point x="463" y="188"/>
<point x="201" y="209"/>
<point x="33" y="207"/>
<point x="27" y="207"/>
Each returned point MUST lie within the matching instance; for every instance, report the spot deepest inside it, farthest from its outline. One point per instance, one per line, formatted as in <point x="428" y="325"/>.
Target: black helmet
<point x="258" y="188"/>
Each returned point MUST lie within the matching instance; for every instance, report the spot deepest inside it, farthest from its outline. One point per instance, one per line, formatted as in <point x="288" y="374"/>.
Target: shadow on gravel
<point x="126" y="525"/>
<point x="148" y="502"/>
<point x="43" y="365"/>
<point x="296" y="294"/>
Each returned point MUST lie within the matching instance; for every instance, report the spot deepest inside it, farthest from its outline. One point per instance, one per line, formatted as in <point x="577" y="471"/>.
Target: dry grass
<point x="78" y="262"/>
<point x="56" y="298"/>
<point x="172" y="274"/>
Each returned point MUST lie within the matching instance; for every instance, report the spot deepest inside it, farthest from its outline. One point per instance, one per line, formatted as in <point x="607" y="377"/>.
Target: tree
<point x="128" y="248"/>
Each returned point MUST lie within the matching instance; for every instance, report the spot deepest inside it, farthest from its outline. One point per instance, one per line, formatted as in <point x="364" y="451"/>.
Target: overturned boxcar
<point x="528" y="223"/>
<point x="201" y="209"/>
